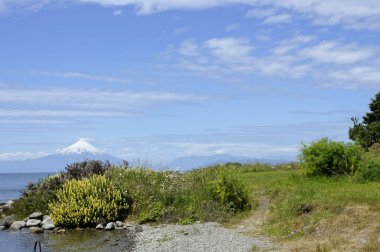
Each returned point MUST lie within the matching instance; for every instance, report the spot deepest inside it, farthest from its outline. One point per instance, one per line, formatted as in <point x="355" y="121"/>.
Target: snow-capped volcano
<point x="80" y="151"/>
<point x="80" y="147"/>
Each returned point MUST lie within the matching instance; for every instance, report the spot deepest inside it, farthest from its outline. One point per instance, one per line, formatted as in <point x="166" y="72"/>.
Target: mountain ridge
<point x="79" y="151"/>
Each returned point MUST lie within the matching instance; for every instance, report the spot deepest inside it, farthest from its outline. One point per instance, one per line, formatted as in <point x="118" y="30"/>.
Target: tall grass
<point x="168" y="196"/>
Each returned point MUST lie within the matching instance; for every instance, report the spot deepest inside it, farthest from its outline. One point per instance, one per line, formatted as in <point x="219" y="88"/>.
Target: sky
<point x="160" y="79"/>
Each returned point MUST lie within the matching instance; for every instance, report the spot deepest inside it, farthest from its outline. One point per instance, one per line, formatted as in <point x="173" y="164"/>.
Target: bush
<point x="228" y="189"/>
<point x="326" y="157"/>
<point x="36" y="196"/>
<point x="369" y="171"/>
<point x="87" y="202"/>
<point x="85" y="169"/>
<point x="167" y="196"/>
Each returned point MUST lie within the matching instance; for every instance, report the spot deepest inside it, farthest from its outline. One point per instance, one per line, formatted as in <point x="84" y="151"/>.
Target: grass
<point x="211" y="194"/>
<point x="316" y="203"/>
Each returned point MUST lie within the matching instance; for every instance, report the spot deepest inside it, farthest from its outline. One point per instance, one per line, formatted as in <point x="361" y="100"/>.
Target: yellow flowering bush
<point x="87" y="202"/>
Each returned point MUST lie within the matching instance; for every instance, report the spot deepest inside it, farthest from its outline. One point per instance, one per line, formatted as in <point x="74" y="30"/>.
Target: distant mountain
<point x="80" y="151"/>
<point x="192" y="162"/>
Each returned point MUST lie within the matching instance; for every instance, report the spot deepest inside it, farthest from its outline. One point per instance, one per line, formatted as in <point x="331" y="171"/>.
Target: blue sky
<point x="159" y="79"/>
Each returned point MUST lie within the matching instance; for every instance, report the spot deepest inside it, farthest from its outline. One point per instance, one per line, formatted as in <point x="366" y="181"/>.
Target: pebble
<point x="208" y="236"/>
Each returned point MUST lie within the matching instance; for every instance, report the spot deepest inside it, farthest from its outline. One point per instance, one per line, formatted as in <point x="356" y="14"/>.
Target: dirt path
<point x="253" y="224"/>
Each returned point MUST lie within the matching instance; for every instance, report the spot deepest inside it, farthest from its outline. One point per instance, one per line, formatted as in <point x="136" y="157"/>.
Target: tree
<point x="368" y="132"/>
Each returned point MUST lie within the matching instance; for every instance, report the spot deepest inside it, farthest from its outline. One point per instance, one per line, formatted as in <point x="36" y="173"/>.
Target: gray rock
<point x="119" y="223"/>
<point x="7" y="221"/>
<point x="17" y="225"/>
<point x="36" y="216"/>
<point x="61" y="231"/>
<point x="2" y="228"/>
<point x="48" y="226"/>
<point x="33" y="223"/>
<point x="138" y="229"/>
<point x="47" y="221"/>
<point x="110" y="226"/>
<point x="99" y="226"/>
<point x="36" y="230"/>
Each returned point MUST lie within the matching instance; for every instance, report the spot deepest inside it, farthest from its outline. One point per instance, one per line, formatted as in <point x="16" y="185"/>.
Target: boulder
<point x="138" y="229"/>
<point x="119" y="223"/>
<point x="7" y="221"/>
<point x="110" y="226"/>
<point x="48" y="226"/>
<point x="36" y="216"/>
<point x="17" y="225"/>
<point x="33" y="223"/>
<point x="2" y="228"/>
<point x="99" y="226"/>
<point x="36" y="230"/>
<point x="47" y="221"/>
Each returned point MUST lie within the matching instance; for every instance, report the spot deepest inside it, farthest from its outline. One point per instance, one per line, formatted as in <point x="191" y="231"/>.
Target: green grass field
<point x="316" y="203"/>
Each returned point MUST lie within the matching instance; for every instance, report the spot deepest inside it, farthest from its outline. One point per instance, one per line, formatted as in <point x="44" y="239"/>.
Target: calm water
<point x="11" y="184"/>
<point x="23" y="241"/>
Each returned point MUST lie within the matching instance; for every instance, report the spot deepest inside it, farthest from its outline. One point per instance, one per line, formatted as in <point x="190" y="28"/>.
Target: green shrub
<point x="167" y="196"/>
<point x="152" y="213"/>
<point x="369" y="170"/>
<point x="87" y="202"/>
<point x="228" y="189"/>
<point x="36" y="196"/>
<point x="326" y="157"/>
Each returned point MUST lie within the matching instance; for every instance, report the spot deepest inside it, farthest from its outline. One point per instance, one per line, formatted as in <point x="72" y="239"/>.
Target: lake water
<point x="11" y="185"/>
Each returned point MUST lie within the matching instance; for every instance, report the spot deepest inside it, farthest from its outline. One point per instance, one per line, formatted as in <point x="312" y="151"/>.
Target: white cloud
<point x="260" y="13"/>
<point x="277" y="19"/>
<point x="8" y="156"/>
<point x="77" y="75"/>
<point x="356" y="76"/>
<point x="230" y="49"/>
<point x="290" y="44"/>
<point x="357" y="14"/>
<point x="189" y="48"/>
<point x="25" y="102"/>
<point x="296" y="57"/>
<point x="117" y="12"/>
<point x="181" y="30"/>
<point x="232" y="27"/>
<point x="333" y="52"/>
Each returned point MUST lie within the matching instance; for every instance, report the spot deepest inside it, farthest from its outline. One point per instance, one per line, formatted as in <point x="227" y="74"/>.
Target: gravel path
<point x="210" y="237"/>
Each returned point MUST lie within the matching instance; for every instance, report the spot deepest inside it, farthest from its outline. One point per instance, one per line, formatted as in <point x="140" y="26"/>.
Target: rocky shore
<point x="209" y="236"/>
